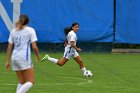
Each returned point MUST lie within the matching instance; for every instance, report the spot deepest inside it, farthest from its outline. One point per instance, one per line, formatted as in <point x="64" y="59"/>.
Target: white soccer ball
<point x="88" y="73"/>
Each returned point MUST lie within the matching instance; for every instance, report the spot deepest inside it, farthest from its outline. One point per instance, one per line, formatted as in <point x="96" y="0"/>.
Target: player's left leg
<point x="29" y="78"/>
<point x="21" y="80"/>
<point x="78" y="59"/>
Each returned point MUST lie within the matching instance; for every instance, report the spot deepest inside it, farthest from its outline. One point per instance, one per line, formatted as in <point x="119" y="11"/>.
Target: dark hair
<point x="23" y="20"/>
<point x="74" y="24"/>
<point x="68" y="29"/>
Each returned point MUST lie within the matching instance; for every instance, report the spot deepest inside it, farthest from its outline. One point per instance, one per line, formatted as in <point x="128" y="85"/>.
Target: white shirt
<point x="21" y="40"/>
<point x="71" y="37"/>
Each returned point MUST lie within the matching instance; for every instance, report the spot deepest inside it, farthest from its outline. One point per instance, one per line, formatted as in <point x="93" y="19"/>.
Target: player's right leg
<point x="47" y="57"/>
<point x="62" y="61"/>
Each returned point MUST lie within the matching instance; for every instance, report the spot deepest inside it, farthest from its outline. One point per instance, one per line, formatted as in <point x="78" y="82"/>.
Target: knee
<point x="60" y="64"/>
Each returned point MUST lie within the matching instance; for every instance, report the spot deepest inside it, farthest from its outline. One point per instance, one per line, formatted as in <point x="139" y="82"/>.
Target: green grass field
<point x="113" y="73"/>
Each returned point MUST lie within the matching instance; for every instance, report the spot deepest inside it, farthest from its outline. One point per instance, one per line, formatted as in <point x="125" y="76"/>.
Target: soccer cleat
<point x="45" y="58"/>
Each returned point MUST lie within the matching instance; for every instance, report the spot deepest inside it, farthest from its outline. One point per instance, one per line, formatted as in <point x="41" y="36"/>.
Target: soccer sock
<point x="83" y="69"/>
<point x="25" y="87"/>
<point x="53" y="60"/>
<point x="18" y="87"/>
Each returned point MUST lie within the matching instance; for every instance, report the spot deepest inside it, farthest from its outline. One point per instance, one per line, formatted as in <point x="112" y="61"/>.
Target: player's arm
<point x="33" y="42"/>
<point x="9" y="51"/>
<point x="35" y="48"/>
<point x="66" y="42"/>
<point x="74" y="46"/>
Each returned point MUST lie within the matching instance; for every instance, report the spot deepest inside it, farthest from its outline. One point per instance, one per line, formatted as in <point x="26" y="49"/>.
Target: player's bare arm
<point x="9" y="51"/>
<point x="35" y="48"/>
<point x="74" y="46"/>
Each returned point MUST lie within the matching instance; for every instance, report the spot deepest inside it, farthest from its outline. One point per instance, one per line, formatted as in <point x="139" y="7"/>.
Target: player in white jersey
<point x="21" y="37"/>
<point x="70" y="48"/>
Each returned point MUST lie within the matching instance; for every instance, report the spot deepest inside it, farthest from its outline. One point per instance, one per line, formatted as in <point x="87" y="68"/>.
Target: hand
<point x="7" y="66"/>
<point x="79" y="49"/>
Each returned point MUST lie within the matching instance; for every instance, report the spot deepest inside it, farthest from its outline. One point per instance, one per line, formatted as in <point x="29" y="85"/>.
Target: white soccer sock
<point x="18" y="87"/>
<point x="83" y="69"/>
<point x="25" y="87"/>
<point x="53" y="60"/>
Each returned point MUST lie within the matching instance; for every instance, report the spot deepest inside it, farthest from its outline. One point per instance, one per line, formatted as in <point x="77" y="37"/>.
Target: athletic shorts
<point x="68" y="54"/>
<point x="18" y="65"/>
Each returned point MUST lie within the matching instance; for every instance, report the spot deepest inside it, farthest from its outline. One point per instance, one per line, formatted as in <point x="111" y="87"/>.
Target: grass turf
<point x="113" y="73"/>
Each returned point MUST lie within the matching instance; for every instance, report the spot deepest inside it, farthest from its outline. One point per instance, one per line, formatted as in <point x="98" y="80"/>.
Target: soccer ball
<point x="88" y="73"/>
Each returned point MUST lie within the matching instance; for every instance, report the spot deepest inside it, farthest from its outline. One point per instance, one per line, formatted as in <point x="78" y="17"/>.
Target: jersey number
<point x="17" y="40"/>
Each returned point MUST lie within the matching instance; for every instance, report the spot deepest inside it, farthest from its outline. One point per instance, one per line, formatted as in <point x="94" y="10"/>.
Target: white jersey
<point x="71" y="37"/>
<point x="21" y="40"/>
<point x="70" y="51"/>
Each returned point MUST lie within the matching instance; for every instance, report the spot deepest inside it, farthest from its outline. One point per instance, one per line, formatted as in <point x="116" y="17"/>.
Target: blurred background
<point x="105" y="25"/>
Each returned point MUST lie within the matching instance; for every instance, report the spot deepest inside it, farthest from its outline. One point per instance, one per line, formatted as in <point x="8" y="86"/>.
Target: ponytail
<point x="23" y="20"/>
<point x="67" y="30"/>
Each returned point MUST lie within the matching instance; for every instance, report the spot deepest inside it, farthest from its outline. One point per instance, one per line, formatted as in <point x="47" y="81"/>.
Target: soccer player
<point x="20" y="38"/>
<point x="70" y="49"/>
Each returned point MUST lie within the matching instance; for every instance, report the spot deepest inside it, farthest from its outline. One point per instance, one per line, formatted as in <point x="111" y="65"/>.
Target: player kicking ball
<point x="70" y="50"/>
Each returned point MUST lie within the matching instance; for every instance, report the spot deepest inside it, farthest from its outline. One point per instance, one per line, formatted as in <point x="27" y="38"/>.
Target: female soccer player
<point x="70" y="48"/>
<point x="21" y="37"/>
